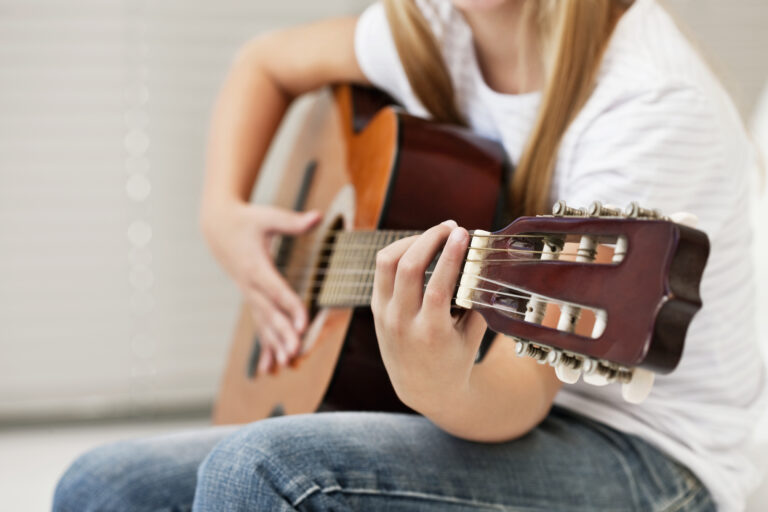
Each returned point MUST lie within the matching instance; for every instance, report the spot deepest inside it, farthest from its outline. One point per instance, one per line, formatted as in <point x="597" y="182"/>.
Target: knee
<point x="250" y="469"/>
<point x="107" y="478"/>
<point x="81" y="486"/>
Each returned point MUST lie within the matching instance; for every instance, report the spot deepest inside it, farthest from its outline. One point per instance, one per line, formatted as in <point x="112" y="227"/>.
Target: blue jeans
<point x="380" y="462"/>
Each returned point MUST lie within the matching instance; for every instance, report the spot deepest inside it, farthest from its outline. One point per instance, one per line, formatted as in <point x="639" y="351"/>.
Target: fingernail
<point x="298" y="323"/>
<point x="458" y="235"/>
<point x="450" y="223"/>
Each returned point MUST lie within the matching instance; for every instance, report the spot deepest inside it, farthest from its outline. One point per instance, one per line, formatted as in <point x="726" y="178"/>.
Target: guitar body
<point x="368" y="166"/>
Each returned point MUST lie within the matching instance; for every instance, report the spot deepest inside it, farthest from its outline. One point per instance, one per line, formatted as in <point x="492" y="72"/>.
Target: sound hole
<point x="304" y="264"/>
<point x="319" y="275"/>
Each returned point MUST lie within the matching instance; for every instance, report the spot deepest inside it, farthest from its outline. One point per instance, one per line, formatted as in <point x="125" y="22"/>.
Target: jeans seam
<point x="306" y="494"/>
<point x="429" y="497"/>
<point x="417" y="495"/>
<point x="403" y="494"/>
<point x="277" y="469"/>
<point x="315" y="488"/>
<point x="684" y="499"/>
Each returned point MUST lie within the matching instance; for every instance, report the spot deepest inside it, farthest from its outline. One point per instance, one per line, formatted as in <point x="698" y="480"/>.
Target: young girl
<point x="592" y="100"/>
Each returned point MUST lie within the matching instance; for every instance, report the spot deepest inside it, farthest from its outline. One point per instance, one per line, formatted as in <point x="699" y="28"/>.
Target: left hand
<point x="428" y="353"/>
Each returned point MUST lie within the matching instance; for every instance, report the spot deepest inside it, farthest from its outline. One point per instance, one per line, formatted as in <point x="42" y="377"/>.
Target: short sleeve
<point x="378" y="58"/>
<point x="662" y="148"/>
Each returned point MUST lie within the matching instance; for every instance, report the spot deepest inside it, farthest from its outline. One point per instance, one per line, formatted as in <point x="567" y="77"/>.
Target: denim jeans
<point x="380" y="462"/>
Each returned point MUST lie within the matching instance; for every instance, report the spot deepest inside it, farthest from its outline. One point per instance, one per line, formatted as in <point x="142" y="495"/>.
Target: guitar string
<point x="329" y="273"/>
<point x="365" y="298"/>
<point x="338" y="248"/>
<point x="473" y="288"/>
<point x="357" y="299"/>
<point x="302" y="273"/>
<point x="521" y="295"/>
<point x="342" y="251"/>
<point x="399" y="235"/>
<point x="406" y="233"/>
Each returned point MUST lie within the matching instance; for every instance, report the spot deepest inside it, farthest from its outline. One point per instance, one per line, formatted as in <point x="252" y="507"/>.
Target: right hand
<point x="240" y="236"/>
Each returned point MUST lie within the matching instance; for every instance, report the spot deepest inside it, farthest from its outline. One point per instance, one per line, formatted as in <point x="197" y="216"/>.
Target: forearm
<point x="246" y="115"/>
<point x="265" y="77"/>
<point x="504" y="397"/>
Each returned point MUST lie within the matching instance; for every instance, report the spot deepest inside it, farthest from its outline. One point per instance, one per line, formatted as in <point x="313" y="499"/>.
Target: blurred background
<point x="114" y="318"/>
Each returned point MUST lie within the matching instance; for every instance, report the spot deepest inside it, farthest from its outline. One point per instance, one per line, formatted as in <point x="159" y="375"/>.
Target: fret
<point x="348" y="277"/>
<point x="346" y="262"/>
<point x="371" y="265"/>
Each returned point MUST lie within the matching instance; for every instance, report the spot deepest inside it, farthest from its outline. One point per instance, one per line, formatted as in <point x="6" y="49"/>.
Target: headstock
<point x="642" y="299"/>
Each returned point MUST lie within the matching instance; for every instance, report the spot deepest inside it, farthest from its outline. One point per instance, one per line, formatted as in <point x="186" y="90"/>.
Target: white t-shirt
<point x="660" y="130"/>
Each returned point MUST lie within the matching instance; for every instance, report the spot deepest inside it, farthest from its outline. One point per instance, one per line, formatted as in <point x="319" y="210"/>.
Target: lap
<point x="370" y="461"/>
<point x="379" y="462"/>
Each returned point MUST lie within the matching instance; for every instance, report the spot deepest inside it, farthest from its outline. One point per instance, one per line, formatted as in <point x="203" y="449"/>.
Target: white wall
<point x="109" y="300"/>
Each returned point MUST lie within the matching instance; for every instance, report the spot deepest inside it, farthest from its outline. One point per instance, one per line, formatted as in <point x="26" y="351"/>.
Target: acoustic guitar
<point x="380" y="174"/>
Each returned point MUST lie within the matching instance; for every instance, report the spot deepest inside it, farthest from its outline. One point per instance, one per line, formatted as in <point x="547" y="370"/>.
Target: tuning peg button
<point x="596" y="379"/>
<point x="561" y="209"/>
<point x="597" y="209"/>
<point x="567" y="367"/>
<point x="525" y="348"/>
<point x="634" y="210"/>
<point x="567" y="374"/>
<point x="639" y="386"/>
<point x="595" y="373"/>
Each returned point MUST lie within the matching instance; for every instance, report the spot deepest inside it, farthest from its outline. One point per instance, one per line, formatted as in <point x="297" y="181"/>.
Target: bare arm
<point x="266" y="75"/>
<point x="506" y="396"/>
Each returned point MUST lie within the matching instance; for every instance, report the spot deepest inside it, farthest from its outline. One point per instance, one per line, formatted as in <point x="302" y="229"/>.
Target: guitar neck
<point x="347" y="276"/>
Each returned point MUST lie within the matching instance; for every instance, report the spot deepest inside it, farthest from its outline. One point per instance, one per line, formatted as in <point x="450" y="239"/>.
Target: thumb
<point x="290" y="222"/>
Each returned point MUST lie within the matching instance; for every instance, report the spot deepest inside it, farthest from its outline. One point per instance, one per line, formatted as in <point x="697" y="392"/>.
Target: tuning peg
<point x="595" y="373"/>
<point x="567" y="367"/>
<point x="634" y="210"/>
<point x="596" y="379"/>
<point x="561" y="209"/>
<point x="638" y="387"/>
<point x="567" y="374"/>
<point x="597" y="209"/>
<point x="524" y="348"/>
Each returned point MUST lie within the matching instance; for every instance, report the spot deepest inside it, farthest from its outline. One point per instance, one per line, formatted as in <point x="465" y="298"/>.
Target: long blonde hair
<point x="573" y="35"/>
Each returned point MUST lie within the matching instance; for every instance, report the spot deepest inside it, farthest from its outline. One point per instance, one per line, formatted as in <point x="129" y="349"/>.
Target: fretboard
<point x="348" y="279"/>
